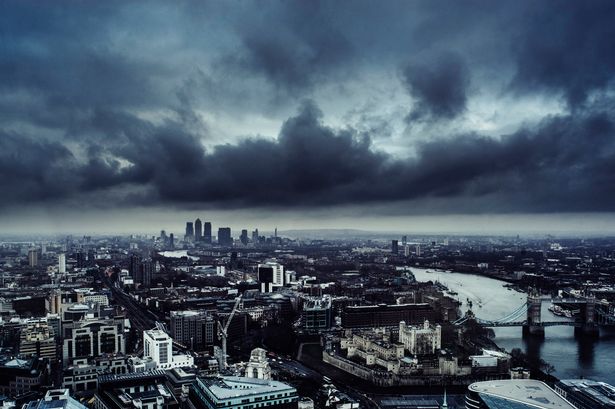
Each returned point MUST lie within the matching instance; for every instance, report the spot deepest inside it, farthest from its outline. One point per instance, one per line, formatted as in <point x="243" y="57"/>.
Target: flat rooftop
<point x="599" y="392"/>
<point x="228" y="387"/>
<point x="529" y="392"/>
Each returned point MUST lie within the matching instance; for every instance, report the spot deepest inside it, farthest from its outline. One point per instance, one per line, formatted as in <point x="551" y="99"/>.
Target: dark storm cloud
<point x="304" y="48"/>
<point x="567" y="48"/>
<point x="564" y="164"/>
<point x="439" y="87"/>
<point x="33" y="170"/>
<point x="93" y="104"/>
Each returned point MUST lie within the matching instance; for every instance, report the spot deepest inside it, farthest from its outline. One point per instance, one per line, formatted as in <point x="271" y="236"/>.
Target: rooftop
<point x="528" y="392"/>
<point x="596" y="391"/>
<point x="228" y="387"/>
<point x="55" y="399"/>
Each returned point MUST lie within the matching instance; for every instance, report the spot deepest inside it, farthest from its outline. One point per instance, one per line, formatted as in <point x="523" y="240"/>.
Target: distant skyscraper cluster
<point x="199" y="232"/>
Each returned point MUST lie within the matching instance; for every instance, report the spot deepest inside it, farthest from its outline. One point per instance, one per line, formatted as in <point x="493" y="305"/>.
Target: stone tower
<point x="258" y="367"/>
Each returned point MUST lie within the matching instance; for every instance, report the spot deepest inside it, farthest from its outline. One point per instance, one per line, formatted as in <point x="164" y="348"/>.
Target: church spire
<point x="444" y="403"/>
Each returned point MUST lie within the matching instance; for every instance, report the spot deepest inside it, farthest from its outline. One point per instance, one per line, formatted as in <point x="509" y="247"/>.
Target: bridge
<point x="592" y="314"/>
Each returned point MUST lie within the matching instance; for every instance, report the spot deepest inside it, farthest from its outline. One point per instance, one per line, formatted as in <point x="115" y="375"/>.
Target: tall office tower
<point x="244" y="237"/>
<point x="404" y="240"/>
<point x="270" y="274"/>
<point x="189" y="230"/>
<point x="224" y="236"/>
<point x="163" y="237"/>
<point x="33" y="257"/>
<point x="171" y="240"/>
<point x="207" y="233"/>
<point x="394" y="247"/>
<point x="418" y="250"/>
<point x="265" y="278"/>
<point x="134" y="266"/>
<point x="198" y="230"/>
<point x="255" y="236"/>
<point x="81" y="259"/>
<point x="61" y="263"/>
<point x="406" y="250"/>
<point x="147" y="272"/>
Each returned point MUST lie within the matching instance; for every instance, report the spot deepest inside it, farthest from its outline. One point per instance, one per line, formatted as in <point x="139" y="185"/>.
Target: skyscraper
<point x="198" y="230"/>
<point x="147" y="272"/>
<point x="134" y="267"/>
<point x="33" y="257"/>
<point x="394" y="247"/>
<point x="244" y="237"/>
<point x="61" y="263"/>
<point x="224" y="236"/>
<point x="189" y="230"/>
<point x="171" y="240"/>
<point x="207" y="233"/>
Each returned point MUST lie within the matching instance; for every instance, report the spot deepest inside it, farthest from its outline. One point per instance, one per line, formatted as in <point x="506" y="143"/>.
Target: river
<point x="177" y="254"/>
<point x="572" y="357"/>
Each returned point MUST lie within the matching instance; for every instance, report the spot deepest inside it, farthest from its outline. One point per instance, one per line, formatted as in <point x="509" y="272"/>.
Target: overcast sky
<point x="449" y="115"/>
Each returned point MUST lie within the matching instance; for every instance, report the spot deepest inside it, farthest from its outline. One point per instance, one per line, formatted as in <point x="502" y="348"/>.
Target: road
<point x="299" y="369"/>
<point x="141" y="319"/>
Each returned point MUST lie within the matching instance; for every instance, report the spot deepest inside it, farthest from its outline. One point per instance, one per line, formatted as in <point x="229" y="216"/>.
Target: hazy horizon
<point x="151" y="222"/>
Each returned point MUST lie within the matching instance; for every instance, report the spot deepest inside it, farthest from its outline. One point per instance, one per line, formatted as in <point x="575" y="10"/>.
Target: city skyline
<point x="461" y="117"/>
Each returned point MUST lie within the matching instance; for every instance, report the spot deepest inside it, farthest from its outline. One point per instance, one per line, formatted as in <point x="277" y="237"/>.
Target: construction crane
<point x="223" y="330"/>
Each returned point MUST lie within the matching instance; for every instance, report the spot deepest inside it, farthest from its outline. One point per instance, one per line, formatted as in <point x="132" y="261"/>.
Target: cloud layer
<point x="257" y="106"/>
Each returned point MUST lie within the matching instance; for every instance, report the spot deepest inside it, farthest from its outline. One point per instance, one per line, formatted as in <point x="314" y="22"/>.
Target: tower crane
<point x="223" y="330"/>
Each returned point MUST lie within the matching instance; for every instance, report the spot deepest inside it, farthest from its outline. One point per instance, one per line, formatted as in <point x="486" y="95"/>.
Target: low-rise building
<point x="241" y="393"/>
<point x="55" y="399"/>
<point x="517" y="393"/>
<point x="20" y="376"/>
<point x="37" y="339"/>
<point x="146" y="390"/>
<point x="587" y="394"/>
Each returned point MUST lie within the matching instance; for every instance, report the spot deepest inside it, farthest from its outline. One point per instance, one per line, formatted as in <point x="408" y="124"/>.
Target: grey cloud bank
<point x="128" y="104"/>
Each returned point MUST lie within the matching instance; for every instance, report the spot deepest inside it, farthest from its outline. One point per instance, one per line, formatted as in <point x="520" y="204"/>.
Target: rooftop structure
<point x="238" y="392"/>
<point x="514" y="394"/>
<point x="587" y="394"/>
<point x="55" y="399"/>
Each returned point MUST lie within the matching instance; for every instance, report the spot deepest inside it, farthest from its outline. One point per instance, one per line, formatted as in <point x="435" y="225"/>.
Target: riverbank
<point x="571" y="357"/>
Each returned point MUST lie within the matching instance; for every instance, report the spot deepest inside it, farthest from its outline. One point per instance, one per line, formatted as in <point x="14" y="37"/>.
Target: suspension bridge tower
<point x="534" y="323"/>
